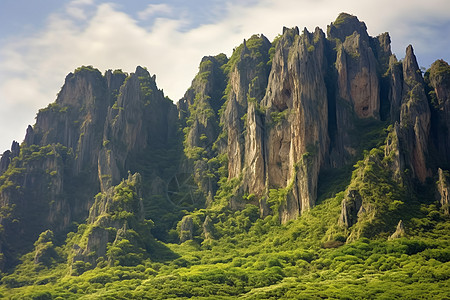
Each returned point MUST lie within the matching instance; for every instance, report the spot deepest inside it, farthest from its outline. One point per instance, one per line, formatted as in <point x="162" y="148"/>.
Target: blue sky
<point x="41" y="41"/>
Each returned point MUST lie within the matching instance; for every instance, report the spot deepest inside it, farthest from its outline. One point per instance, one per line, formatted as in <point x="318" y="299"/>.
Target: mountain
<point x="314" y="166"/>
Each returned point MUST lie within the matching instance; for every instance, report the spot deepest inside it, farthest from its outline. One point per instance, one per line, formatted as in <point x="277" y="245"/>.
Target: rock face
<point x="415" y="116"/>
<point x="355" y="88"/>
<point x="281" y="128"/>
<point x="8" y="156"/>
<point x="76" y="118"/>
<point x="399" y="232"/>
<point x="356" y="65"/>
<point x="82" y="144"/>
<point x="31" y="196"/>
<point x="198" y="112"/>
<point x="438" y="81"/>
<point x="297" y="95"/>
<point x="258" y="128"/>
<point x="115" y="217"/>
<point x="141" y="118"/>
<point x="351" y="205"/>
<point x="186" y="229"/>
<point x="247" y="83"/>
<point x="444" y="190"/>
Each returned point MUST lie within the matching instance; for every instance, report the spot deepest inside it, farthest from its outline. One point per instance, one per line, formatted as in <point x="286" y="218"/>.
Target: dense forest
<point x="313" y="166"/>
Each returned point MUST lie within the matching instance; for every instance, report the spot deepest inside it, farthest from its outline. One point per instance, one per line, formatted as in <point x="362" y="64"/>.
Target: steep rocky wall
<point x="94" y="132"/>
<point x="76" y="118"/>
<point x="359" y="59"/>
<point x="414" y="117"/>
<point x="198" y="112"/>
<point x="443" y="186"/>
<point x="296" y="99"/>
<point x="141" y="118"/>
<point x="437" y="79"/>
<point x="8" y="156"/>
<point x="247" y="84"/>
<point x="32" y="197"/>
<point x="115" y="217"/>
<point x="281" y="129"/>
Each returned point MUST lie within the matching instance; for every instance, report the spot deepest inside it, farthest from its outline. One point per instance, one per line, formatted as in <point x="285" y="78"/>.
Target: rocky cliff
<point x="256" y="132"/>
<point x="85" y="142"/>
<point x="117" y="218"/>
<point x="307" y="103"/>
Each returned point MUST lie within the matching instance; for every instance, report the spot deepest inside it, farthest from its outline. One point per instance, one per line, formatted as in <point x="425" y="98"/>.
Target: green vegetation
<point x="240" y="254"/>
<point x="278" y="116"/>
<point x="273" y="48"/>
<point x="86" y="69"/>
<point x="341" y="19"/>
<point x="437" y="74"/>
<point x="254" y="258"/>
<point x="181" y="227"/>
<point x="54" y="108"/>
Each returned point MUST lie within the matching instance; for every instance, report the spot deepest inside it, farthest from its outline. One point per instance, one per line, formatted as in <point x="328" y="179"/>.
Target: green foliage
<point x="119" y="72"/>
<point x="147" y="86"/>
<point x="86" y="69"/>
<point x="278" y="116"/>
<point x="258" y="259"/>
<point x="341" y="19"/>
<point x="276" y="198"/>
<point x="437" y="74"/>
<point x="54" y="108"/>
<point x="383" y="197"/>
<point x="45" y="251"/>
<point x="273" y="49"/>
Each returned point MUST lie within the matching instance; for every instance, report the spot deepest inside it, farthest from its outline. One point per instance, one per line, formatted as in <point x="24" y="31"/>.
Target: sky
<point x="41" y="41"/>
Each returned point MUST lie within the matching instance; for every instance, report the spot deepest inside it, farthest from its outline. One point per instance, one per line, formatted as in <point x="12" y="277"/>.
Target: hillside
<point x="312" y="166"/>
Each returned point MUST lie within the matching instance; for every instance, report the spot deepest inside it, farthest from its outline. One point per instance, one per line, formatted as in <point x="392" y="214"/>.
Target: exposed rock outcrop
<point x="264" y="122"/>
<point x="351" y="205"/>
<point x="186" y="229"/>
<point x="415" y="117"/>
<point x="393" y="152"/>
<point x="31" y="196"/>
<point x="399" y="231"/>
<point x="438" y="80"/>
<point x="355" y="87"/>
<point x="296" y="96"/>
<point x="198" y="111"/>
<point x="357" y="76"/>
<point x="140" y="119"/>
<point x="248" y="76"/>
<point x="395" y="78"/>
<point x="116" y="215"/>
<point x="50" y="181"/>
<point x="8" y="156"/>
<point x="443" y="187"/>
<point x="76" y="119"/>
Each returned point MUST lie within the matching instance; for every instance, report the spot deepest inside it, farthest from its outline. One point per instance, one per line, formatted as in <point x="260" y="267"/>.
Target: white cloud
<point x="82" y="2"/>
<point x="153" y="9"/>
<point x="76" y="9"/>
<point x="34" y="67"/>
